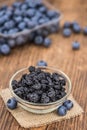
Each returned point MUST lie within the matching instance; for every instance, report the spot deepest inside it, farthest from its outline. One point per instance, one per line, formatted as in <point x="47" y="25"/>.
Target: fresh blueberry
<point x="20" y="40"/>
<point x="75" y="45"/>
<point x="2" y="41"/>
<point x="9" y="13"/>
<point x="41" y="21"/>
<point x="68" y="104"/>
<point x="62" y="110"/>
<point x="2" y="20"/>
<point x="17" y="4"/>
<point x="31" y="36"/>
<point x="12" y="103"/>
<point x="6" y="17"/>
<point x="31" y="24"/>
<point x="45" y="32"/>
<point x="17" y="12"/>
<point x="67" y="24"/>
<point x="31" y="12"/>
<point x="41" y="63"/>
<point x="5" y="32"/>
<point x="74" y="23"/>
<point x="38" y="40"/>
<point x="11" y="43"/>
<point x="13" y="31"/>
<point x="5" y="49"/>
<point x="52" y="14"/>
<point x="35" y="18"/>
<point x="24" y="6"/>
<point x="4" y="7"/>
<point x="67" y="32"/>
<point x="22" y="26"/>
<point x="47" y="42"/>
<point x="38" y="14"/>
<point x="76" y="28"/>
<point x="2" y="13"/>
<point x="18" y="19"/>
<point x="26" y="20"/>
<point x="9" y="24"/>
<point x="85" y="31"/>
<point x="32" y="3"/>
<point x="42" y="9"/>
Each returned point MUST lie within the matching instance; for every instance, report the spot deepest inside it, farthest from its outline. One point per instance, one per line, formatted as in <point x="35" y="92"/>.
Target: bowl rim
<point x="39" y="104"/>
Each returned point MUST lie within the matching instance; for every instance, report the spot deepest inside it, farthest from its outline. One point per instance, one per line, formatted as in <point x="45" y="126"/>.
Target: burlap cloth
<point x="27" y="119"/>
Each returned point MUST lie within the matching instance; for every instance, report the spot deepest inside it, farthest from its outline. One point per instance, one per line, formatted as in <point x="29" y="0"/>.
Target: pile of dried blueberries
<point x="39" y="86"/>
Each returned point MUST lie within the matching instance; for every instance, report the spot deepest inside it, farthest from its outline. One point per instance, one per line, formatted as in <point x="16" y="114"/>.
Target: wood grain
<point x="60" y="55"/>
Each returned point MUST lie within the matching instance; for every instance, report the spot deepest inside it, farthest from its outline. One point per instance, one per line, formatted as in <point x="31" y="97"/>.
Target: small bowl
<point x="39" y="108"/>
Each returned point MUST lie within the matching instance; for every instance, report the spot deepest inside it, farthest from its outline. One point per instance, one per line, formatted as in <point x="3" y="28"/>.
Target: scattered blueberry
<point x="76" y="28"/>
<point x="41" y="63"/>
<point x="75" y="45"/>
<point x="67" y="32"/>
<point x="68" y="104"/>
<point x="85" y="31"/>
<point x="5" y="49"/>
<point x="47" y="42"/>
<point x="12" y="103"/>
<point x="62" y="110"/>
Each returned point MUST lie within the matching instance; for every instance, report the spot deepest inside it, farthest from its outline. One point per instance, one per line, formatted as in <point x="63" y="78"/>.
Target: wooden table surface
<point x="60" y="55"/>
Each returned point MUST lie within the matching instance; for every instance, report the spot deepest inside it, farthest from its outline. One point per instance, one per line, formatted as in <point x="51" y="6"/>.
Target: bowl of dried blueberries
<point x="40" y="89"/>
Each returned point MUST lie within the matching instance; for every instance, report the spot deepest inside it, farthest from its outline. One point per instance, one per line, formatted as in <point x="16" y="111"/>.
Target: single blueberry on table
<point x="5" y="49"/>
<point x="47" y="42"/>
<point x="67" y="24"/>
<point x="38" y="40"/>
<point x="41" y="63"/>
<point x="67" y="32"/>
<point x="62" y="111"/>
<point x="12" y="103"/>
<point x="68" y="104"/>
<point x="76" y="28"/>
<point x="85" y="31"/>
<point x="75" y="45"/>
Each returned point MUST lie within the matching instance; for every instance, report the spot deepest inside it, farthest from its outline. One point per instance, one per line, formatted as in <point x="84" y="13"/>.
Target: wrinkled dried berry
<point x="31" y="69"/>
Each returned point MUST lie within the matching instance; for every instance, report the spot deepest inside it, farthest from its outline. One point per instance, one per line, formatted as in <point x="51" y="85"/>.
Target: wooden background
<point x="60" y="55"/>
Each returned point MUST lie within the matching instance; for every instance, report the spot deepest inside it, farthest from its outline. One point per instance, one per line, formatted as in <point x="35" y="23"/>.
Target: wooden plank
<point x="59" y="55"/>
